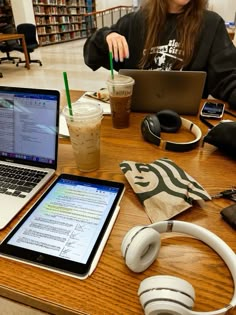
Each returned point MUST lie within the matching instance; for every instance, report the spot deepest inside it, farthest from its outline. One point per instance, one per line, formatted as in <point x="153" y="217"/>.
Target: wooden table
<point x="112" y="289"/>
<point x="21" y="37"/>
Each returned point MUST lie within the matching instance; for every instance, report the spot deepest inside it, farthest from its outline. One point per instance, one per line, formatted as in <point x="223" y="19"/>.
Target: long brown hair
<point x="187" y="30"/>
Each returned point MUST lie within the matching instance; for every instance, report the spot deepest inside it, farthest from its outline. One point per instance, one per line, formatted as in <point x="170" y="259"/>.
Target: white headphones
<point x="168" y="295"/>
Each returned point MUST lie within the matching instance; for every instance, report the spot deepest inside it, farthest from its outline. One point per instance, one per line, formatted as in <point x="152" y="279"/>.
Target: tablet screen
<point x="65" y="227"/>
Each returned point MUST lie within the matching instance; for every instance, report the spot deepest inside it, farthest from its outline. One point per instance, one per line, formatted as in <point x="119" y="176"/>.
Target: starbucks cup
<point x="120" y="90"/>
<point x="84" y="129"/>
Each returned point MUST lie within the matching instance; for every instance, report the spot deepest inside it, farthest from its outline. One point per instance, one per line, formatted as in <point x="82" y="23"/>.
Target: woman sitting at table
<point x="170" y="35"/>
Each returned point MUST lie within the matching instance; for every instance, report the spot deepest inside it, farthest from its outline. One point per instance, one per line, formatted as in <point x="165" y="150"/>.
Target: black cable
<point x="207" y="123"/>
<point x="230" y="113"/>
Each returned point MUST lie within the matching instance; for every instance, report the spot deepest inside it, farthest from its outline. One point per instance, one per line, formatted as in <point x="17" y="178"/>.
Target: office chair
<point x="8" y="46"/>
<point x="29" y="30"/>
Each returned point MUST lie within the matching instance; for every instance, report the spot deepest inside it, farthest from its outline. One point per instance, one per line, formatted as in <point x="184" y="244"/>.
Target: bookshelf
<point x="61" y="20"/>
<point x="6" y="15"/>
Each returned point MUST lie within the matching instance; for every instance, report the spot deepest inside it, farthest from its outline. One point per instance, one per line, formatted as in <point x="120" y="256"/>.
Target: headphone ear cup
<point x="140" y="248"/>
<point x="151" y="129"/>
<point x="166" y="295"/>
<point x="128" y="238"/>
<point x="169" y="120"/>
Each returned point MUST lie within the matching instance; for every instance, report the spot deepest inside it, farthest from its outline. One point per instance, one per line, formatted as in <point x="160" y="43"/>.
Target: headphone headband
<point x="207" y="237"/>
<point x="138" y="249"/>
<point x="179" y="146"/>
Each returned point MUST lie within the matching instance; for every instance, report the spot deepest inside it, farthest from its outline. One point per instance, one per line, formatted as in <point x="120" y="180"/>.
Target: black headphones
<point x="169" y="121"/>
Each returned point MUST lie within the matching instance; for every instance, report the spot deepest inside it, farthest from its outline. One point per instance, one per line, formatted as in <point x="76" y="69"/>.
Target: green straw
<point x="67" y="93"/>
<point x="111" y="65"/>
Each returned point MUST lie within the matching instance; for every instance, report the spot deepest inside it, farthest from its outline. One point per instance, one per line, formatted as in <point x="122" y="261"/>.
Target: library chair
<point x="8" y="46"/>
<point x="29" y="30"/>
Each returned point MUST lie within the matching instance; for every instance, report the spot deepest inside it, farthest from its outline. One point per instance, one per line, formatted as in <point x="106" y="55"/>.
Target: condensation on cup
<point x="84" y="129"/>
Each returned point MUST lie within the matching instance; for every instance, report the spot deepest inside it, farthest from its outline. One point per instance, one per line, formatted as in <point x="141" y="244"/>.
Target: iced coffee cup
<point x="120" y="93"/>
<point x="84" y="129"/>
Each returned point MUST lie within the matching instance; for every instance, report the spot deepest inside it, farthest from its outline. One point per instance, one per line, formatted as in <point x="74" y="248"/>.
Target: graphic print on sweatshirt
<point x="166" y="55"/>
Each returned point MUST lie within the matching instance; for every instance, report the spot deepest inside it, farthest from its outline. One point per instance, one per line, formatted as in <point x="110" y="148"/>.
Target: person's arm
<point x="118" y="39"/>
<point x="222" y="67"/>
<point x="96" y="51"/>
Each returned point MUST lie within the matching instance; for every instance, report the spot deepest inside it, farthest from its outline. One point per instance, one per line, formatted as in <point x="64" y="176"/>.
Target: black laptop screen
<point x="29" y="125"/>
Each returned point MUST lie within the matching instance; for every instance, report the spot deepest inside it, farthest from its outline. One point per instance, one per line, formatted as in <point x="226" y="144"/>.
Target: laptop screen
<point x="29" y="126"/>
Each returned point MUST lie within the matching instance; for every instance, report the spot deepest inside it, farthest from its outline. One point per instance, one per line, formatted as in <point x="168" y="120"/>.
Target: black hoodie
<point x="214" y="53"/>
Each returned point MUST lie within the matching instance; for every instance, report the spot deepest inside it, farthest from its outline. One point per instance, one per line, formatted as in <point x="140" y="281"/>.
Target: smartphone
<point x="212" y="110"/>
<point x="66" y="230"/>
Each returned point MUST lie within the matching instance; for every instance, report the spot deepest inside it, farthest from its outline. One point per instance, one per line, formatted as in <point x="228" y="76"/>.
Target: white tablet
<point x="67" y="228"/>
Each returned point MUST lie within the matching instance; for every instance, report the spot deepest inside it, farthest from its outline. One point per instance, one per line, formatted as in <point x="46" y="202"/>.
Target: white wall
<point x="106" y="19"/>
<point x="226" y="8"/>
<point x="105" y="4"/>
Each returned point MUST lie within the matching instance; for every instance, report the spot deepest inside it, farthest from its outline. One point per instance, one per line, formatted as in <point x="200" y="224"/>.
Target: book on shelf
<point x="62" y="20"/>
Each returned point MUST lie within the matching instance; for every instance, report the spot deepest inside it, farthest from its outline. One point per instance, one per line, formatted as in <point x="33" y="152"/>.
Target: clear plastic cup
<point x="120" y="93"/>
<point x="84" y="129"/>
<point x="231" y="29"/>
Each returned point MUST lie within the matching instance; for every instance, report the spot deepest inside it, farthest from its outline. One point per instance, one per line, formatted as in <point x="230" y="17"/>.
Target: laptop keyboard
<point x="18" y="181"/>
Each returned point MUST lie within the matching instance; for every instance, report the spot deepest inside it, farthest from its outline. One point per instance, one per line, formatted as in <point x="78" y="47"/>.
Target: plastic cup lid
<point x="84" y="111"/>
<point x="120" y="80"/>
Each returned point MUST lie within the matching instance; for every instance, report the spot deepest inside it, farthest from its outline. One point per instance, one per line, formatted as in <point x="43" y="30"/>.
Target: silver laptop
<point x="153" y="91"/>
<point x="28" y="145"/>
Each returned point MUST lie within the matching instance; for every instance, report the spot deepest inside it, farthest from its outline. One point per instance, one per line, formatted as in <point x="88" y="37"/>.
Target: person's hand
<point x="118" y="46"/>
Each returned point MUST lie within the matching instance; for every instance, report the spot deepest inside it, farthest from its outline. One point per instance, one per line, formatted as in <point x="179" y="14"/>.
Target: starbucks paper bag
<point x="163" y="188"/>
